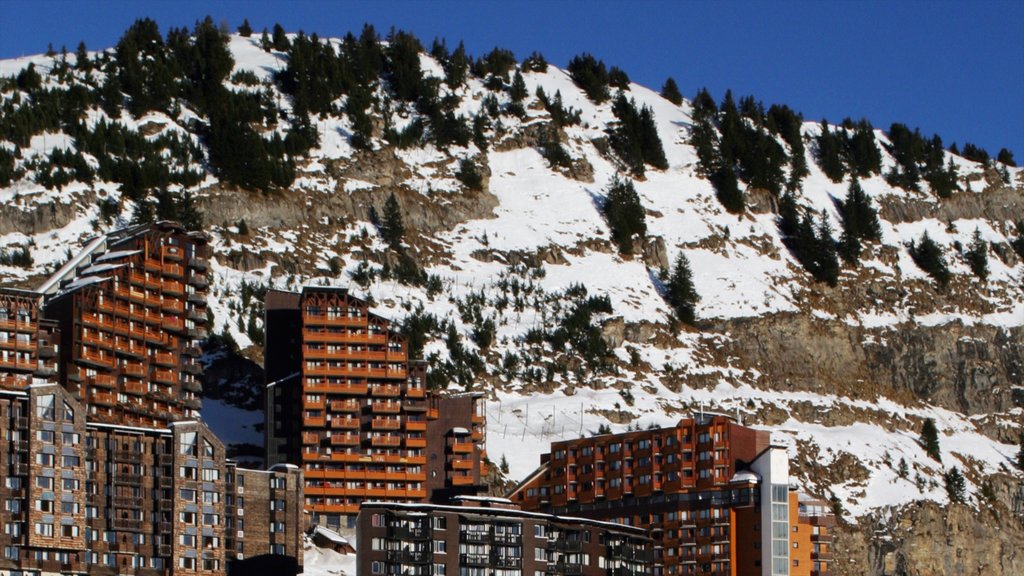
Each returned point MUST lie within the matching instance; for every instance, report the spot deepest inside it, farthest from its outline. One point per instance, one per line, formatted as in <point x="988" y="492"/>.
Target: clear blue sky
<point x="952" y="68"/>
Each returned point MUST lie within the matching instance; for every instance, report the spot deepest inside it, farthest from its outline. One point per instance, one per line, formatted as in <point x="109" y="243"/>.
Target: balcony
<point x="101" y="381"/>
<point x="196" y="333"/>
<point x="135" y="388"/>
<point x="415" y="442"/>
<point x="345" y="422"/>
<point x="164" y="359"/>
<point x="345" y="440"/>
<point x="461" y="464"/>
<point x="358" y="389"/>
<point x="386" y="424"/>
<point x="474" y="559"/>
<point x="134" y="369"/>
<point x="172" y="252"/>
<point x="385" y="407"/>
<point x="192" y="351"/>
<point x="192" y="368"/>
<point x="197" y="298"/>
<point x="46" y="351"/>
<point x="173" y="305"/>
<point x="198" y="263"/>
<point x="191" y="385"/>
<point x="343" y="337"/>
<point x="386" y="441"/>
<point x="386" y="390"/>
<point x="103" y="399"/>
<point x="416" y="425"/>
<point x="172" y="288"/>
<point x="462" y="480"/>
<point x="463" y="447"/>
<point x="344" y="406"/>
<point x="172" y="324"/>
<point x="315" y="421"/>
<point x="198" y="280"/>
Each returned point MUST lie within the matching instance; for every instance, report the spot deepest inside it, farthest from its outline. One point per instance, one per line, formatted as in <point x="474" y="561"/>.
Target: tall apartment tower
<point x="131" y="310"/>
<point x="713" y="493"/>
<point x="28" y="343"/>
<point x="345" y="401"/>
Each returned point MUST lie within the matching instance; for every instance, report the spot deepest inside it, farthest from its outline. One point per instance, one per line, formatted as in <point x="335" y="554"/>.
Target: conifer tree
<point x="1006" y="157"/>
<point x="928" y="256"/>
<point x="703" y="136"/>
<point x="591" y="76"/>
<point x="727" y="189"/>
<point x="955" y="485"/>
<point x="830" y="151"/>
<point x="977" y="256"/>
<point x="392" y="230"/>
<point x="517" y="91"/>
<point x="930" y="440"/>
<point x="245" y="30"/>
<point x="82" y="61"/>
<point x="859" y="220"/>
<point x="625" y="214"/>
<point x="826" y="263"/>
<point x="670" y="92"/>
<point x="682" y="295"/>
<point x="280" y="40"/>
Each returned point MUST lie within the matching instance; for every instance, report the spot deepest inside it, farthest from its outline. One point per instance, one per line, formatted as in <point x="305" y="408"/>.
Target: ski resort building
<point x="28" y="343"/>
<point x="104" y="465"/>
<point x="714" y="495"/>
<point x="347" y="403"/>
<point x="131" y="310"/>
<point x="84" y="496"/>
<point x="481" y="536"/>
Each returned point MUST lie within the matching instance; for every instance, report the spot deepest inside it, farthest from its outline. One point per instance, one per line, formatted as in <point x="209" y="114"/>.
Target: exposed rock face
<point x="925" y="539"/>
<point x="995" y="204"/>
<point x="36" y="218"/>
<point x="966" y="368"/>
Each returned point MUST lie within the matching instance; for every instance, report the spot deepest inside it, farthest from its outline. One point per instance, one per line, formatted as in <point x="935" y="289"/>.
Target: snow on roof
<point x="117" y="255"/>
<point x="483" y="499"/>
<point x="53" y="281"/>
<point x="84" y="281"/>
<point x="745" y="476"/>
<point x="459" y="430"/>
<point x="330" y="535"/>
<point x="101" y="268"/>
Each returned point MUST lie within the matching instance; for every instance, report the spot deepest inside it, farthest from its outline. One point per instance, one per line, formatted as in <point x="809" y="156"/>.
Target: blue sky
<point x="952" y="68"/>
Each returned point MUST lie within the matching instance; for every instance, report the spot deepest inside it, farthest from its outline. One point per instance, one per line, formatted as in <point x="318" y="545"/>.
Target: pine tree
<point x="859" y="220"/>
<point x="977" y="256"/>
<point x="930" y="440"/>
<point x="624" y="213"/>
<point x="955" y="485"/>
<point x="928" y="256"/>
<point x="280" y="40"/>
<point x="826" y="263"/>
<point x="392" y="229"/>
<point x="245" y="30"/>
<point x="670" y="92"/>
<point x="517" y="91"/>
<point x="504" y="465"/>
<point x="727" y="189"/>
<point x="1006" y="157"/>
<point x="903" y="470"/>
<point x="682" y="295"/>
<point x="830" y="150"/>
<point x="82" y="61"/>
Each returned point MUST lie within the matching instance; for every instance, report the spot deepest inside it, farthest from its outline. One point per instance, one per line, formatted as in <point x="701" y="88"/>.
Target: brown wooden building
<point x="131" y="308"/>
<point x="714" y="494"/>
<point x="345" y="401"/>
<point x="28" y="343"/>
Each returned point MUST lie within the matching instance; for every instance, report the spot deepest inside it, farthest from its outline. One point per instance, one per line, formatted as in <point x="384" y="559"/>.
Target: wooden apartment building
<point x="714" y="495"/>
<point x="347" y="403"/>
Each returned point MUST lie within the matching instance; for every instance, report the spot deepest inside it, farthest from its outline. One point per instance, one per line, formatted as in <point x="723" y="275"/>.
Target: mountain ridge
<point x="494" y="289"/>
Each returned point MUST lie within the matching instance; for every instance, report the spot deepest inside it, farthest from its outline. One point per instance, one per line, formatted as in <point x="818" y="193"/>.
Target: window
<point x="43" y="529"/>
<point x="377" y="567"/>
<point x="439" y="522"/>
<point x="69" y="531"/>
<point x="440" y="546"/>
<point x="439" y="569"/>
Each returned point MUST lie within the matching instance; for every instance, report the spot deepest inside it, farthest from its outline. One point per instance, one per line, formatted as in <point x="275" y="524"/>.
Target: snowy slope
<point x="741" y="270"/>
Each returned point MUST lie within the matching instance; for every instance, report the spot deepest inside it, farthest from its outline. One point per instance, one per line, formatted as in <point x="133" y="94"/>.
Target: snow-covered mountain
<point x="844" y="375"/>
